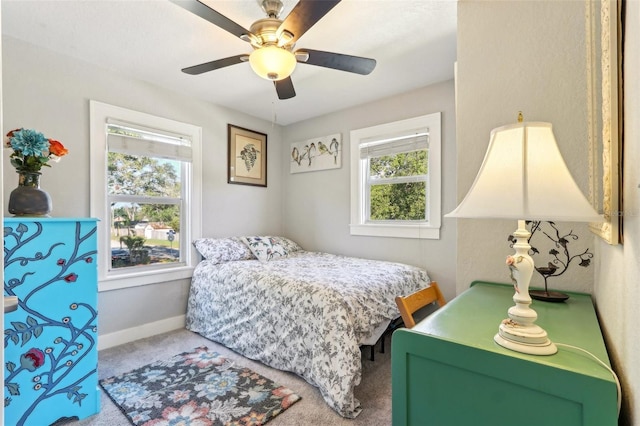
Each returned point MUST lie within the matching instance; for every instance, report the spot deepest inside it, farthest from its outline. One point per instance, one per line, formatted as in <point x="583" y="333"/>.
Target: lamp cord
<point x="615" y="377"/>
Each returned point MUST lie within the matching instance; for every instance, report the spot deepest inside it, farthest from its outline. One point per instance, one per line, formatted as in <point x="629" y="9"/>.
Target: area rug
<point x="197" y="388"/>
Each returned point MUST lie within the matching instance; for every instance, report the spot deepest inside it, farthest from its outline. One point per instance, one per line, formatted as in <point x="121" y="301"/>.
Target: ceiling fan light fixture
<point x="272" y="62"/>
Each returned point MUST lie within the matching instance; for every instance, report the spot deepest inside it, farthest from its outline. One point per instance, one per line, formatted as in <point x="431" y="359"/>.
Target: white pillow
<point x="265" y="248"/>
<point x="289" y="245"/>
<point x="221" y="250"/>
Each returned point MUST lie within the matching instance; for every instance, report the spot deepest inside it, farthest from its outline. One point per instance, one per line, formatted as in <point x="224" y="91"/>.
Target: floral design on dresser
<point x="50" y="341"/>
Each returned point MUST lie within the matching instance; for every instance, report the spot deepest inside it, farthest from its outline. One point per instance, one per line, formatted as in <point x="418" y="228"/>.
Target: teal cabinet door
<point x="50" y="341"/>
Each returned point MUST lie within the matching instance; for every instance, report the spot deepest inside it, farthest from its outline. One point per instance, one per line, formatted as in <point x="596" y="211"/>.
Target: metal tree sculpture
<point x="561" y="258"/>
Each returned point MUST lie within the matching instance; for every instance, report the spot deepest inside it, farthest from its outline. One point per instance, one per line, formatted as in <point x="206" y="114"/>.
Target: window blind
<point x="135" y="140"/>
<point x="394" y="145"/>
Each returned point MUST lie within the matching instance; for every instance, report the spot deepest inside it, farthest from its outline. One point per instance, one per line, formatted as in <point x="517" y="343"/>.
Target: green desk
<point x="447" y="370"/>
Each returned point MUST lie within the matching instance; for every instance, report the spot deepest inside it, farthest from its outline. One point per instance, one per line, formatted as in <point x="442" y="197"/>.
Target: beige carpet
<point x="374" y="391"/>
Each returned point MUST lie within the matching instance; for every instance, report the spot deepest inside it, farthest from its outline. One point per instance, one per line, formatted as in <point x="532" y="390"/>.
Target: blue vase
<point x="28" y="199"/>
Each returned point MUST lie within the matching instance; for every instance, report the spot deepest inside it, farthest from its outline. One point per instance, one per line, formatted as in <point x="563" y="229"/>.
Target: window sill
<point x="397" y="231"/>
<point x="144" y="278"/>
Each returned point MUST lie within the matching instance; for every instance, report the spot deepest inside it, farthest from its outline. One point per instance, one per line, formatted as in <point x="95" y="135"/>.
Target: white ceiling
<point x="413" y="41"/>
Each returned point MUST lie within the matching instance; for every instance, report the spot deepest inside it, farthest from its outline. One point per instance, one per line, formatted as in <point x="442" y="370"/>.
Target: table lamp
<point x="524" y="177"/>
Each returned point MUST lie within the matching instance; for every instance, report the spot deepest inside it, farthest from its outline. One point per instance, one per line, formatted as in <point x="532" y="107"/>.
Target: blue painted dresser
<point x="50" y="341"/>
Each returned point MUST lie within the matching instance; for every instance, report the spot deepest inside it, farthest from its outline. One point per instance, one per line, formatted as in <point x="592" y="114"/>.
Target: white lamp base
<point x="531" y="340"/>
<point x="519" y="333"/>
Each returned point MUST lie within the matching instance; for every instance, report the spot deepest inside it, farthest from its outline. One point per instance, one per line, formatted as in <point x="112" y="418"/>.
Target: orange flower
<point x="57" y="149"/>
<point x="7" y="139"/>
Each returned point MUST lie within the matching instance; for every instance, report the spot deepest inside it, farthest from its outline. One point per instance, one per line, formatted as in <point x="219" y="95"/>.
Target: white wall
<point x="317" y="204"/>
<point x="51" y="93"/>
<point x="524" y="56"/>
<point x="617" y="287"/>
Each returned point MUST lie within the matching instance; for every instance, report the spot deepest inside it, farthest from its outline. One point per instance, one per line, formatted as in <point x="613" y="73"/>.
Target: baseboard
<point x="121" y="337"/>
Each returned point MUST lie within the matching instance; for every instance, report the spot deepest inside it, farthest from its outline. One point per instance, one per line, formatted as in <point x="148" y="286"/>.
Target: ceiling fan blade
<point x="214" y="65"/>
<point x="304" y="15"/>
<point x="205" y="12"/>
<point x="284" y="88"/>
<point x="338" y="61"/>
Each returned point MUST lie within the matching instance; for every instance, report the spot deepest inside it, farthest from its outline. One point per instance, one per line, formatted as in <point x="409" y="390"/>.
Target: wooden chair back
<point x="408" y="305"/>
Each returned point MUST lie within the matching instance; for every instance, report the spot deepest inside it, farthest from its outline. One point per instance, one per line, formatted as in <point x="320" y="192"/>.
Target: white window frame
<point x="428" y="229"/>
<point x="100" y="113"/>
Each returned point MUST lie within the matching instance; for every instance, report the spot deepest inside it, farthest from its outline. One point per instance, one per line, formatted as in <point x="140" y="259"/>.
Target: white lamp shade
<point x="272" y="62"/>
<point x="523" y="176"/>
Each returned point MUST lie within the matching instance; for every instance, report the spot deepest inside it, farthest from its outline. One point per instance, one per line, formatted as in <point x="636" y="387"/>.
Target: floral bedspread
<point x="305" y="313"/>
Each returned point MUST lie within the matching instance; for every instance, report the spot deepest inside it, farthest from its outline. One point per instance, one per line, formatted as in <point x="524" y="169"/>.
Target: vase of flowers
<point x="31" y="152"/>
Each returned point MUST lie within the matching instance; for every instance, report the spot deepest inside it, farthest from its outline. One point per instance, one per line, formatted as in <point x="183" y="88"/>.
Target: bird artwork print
<point x="333" y="149"/>
<point x="311" y="152"/>
<point x="316" y="154"/>
<point x="295" y="154"/>
<point x="323" y="148"/>
<point x="297" y="157"/>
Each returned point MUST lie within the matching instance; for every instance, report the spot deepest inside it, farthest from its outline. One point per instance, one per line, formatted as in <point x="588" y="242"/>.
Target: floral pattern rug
<point x="198" y="388"/>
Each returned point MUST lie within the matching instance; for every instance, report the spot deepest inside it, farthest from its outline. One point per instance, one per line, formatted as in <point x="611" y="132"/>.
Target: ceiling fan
<point x="273" y="41"/>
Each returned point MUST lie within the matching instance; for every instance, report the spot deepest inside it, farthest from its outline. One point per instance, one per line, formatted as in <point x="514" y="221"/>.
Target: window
<point x="395" y="179"/>
<point x="145" y="190"/>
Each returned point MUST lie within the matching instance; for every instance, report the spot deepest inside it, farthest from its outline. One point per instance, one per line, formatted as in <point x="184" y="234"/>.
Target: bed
<point x="296" y="310"/>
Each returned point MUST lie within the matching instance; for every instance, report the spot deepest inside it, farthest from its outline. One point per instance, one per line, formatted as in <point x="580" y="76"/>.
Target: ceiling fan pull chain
<point x="274" y="114"/>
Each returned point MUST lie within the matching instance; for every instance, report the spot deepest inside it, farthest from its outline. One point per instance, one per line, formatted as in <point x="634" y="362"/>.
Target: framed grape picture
<point x="247" y="158"/>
